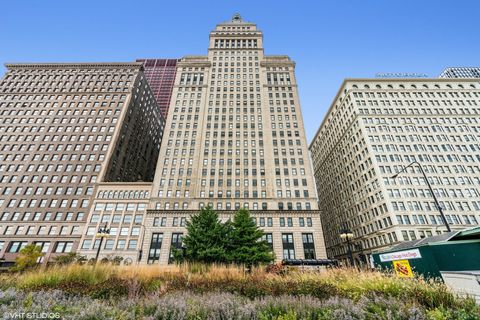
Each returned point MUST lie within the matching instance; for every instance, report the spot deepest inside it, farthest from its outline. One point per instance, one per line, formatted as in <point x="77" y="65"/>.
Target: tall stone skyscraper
<point x="63" y="129"/>
<point x="160" y="74"/>
<point x="235" y="138"/>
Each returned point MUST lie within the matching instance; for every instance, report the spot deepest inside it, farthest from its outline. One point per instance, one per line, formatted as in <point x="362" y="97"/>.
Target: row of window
<point x="116" y="218"/>
<point x="109" y="244"/>
<point x="59" y="246"/>
<point x="40" y="216"/>
<point x="41" y="230"/>
<point x="288" y="246"/>
<point x="437" y="219"/>
<point x="100" y="206"/>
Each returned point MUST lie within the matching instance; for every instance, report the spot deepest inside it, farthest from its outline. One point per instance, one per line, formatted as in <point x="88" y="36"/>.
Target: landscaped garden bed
<point x="218" y="292"/>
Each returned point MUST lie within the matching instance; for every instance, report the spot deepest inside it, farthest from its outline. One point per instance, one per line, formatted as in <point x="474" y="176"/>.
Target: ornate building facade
<point x="372" y="131"/>
<point x="234" y="138"/>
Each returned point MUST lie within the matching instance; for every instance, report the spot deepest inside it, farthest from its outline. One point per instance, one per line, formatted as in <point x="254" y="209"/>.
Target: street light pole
<point x="440" y="210"/>
<point x="347" y="235"/>
<point x="102" y="233"/>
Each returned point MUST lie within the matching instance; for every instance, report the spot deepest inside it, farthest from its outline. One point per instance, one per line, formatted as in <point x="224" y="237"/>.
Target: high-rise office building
<point x="374" y="129"/>
<point x="63" y="129"/>
<point x="160" y="74"/>
<point x="235" y="138"/>
<point x="461" y="72"/>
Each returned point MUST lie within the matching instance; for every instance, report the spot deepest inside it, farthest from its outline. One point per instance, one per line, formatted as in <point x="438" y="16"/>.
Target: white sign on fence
<point x="401" y="255"/>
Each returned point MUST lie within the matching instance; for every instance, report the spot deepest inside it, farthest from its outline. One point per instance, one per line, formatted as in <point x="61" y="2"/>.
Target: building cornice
<point x="80" y="65"/>
<point x="124" y="184"/>
<point x="232" y="212"/>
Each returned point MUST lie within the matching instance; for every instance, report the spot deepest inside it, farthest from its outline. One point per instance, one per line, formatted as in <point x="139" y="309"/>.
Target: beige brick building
<point x="121" y="208"/>
<point x="234" y="138"/>
<point x="63" y="129"/>
<point x="376" y="127"/>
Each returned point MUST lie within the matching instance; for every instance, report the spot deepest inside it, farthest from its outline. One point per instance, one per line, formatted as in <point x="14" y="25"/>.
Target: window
<point x="288" y="246"/>
<point x="127" y="218"/>
<point x="121" y="244"/>
<point x="16" y="246"/>
<point x="155" y="246"/>
<point x="301" y="222"/>
<point x="132" y="245"/>
<point x="269" y="239"/>
<point x="138" y="218"/>
<point x="63" y="247"/>
<point x="176" y="244"/>
<point x="86" y="244"/>
<point x="269" y="222"/>
<point x="309" y="222"/>
<point x="109" y="244"/>
<point x="290" y="222"/>
<point x="135" y="231"/>
<point x="308" y="246"/>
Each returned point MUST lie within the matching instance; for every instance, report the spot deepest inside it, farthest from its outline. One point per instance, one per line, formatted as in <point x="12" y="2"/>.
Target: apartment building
<point x="372" y="131"/>
<point x="64" y="128"/>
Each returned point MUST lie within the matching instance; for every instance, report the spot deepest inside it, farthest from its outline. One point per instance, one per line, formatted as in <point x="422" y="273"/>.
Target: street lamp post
<point x="440" y="210"/>
<point x="346" y="234"/>
<point x="140" y="251"/>
<point x="102" y="233"/>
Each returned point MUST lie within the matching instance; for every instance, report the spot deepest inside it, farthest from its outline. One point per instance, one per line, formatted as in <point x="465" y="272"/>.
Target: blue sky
<point x="329" y="40"/>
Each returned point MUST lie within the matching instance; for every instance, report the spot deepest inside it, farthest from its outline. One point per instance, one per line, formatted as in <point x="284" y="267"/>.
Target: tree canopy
<point x="209" y="240"/>
<point x="28" y="257"/>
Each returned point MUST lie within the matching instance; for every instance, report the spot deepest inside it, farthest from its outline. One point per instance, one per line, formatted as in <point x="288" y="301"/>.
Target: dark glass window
<point x="155" y="246"/>
<point x="308" y="245"/>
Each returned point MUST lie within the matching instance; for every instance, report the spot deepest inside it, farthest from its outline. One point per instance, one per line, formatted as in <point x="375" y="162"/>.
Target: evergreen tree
<point x="205" y="240"/>
<point x="245" y="244"/>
